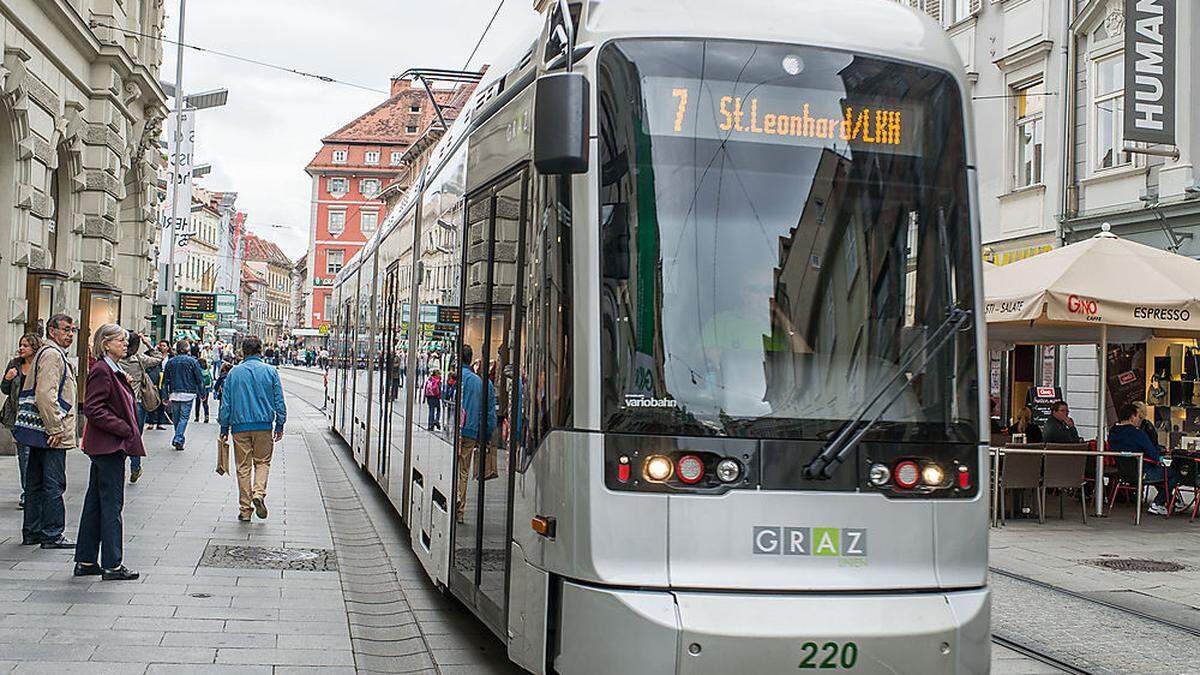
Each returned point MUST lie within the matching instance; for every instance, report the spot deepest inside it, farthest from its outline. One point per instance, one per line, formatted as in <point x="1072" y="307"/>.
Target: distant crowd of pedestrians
<point x="131" y="383"/>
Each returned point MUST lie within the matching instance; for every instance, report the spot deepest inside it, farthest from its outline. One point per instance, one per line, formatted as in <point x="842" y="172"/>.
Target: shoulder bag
<point x="151" y="401"/>
<point x="30" y="429"/>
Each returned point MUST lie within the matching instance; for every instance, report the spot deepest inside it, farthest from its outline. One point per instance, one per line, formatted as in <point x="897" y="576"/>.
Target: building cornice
<point x="1025" y="56"/>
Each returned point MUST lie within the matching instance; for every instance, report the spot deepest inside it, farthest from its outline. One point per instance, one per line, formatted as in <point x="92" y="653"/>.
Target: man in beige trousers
<point x="252" y="408"/>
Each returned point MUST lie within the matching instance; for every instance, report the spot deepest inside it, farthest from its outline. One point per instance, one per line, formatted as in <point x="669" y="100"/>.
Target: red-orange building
<point x="349" y="173"/>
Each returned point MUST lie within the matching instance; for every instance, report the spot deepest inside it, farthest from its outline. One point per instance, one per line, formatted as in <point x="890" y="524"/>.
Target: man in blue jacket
<point x="183" y="380"/>
<point x="474" y="430"/>
<point x="1127" y="436"/>
<point x="252" y="408"/>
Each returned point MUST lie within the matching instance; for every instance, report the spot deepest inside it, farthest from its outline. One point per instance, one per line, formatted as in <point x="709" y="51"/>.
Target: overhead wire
<point x="482" y="35"/>
<point x="238" y="57"/>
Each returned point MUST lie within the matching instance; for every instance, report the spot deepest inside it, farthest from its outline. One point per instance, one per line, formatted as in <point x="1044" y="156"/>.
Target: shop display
<point x="1173" y="390"/>
<point x="1156" y="395"/>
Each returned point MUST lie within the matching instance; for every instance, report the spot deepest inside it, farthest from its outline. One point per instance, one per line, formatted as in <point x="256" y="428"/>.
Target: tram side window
<point x="545" y="385"/>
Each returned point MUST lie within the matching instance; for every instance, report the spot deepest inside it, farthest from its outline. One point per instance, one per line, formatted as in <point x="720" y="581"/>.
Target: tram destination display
<point x="205" y="303"/>
<point x="717" y="110"/>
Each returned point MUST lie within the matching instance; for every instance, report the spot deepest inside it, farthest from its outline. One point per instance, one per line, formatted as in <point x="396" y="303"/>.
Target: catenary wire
<point x="483" y="35"/>
<point x="237" y="57"/>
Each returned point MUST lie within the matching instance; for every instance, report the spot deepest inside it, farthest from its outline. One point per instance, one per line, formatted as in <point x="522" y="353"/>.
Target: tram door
<point x="389" y="374"/>
<point x="483" y="480"/>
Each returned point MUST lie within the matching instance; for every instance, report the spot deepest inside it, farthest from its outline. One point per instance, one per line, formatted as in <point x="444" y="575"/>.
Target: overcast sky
<point x="260" y="142"/>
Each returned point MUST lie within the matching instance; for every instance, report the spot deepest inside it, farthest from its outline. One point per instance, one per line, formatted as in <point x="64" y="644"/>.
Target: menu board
<point x="1039" y="399"/>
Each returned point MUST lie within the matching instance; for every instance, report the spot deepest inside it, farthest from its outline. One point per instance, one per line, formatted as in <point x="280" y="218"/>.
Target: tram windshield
<point x="782" y="228"/>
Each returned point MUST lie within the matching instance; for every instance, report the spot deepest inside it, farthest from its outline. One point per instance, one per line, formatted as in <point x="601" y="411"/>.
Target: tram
<point x="699" y="282"/>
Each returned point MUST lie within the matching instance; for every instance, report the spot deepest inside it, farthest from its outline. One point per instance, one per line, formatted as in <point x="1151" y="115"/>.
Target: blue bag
<point x="29" y="429"/>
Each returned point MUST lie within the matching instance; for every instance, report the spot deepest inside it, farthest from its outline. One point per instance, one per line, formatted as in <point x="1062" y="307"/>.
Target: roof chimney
<point x="398" y="85"/>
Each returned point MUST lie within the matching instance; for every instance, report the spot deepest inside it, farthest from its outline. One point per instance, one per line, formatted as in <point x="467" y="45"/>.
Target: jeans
<point x="22" y="465"/>
<point x="181" y="411"/>
<point x="45" y="482"/>
<point x="201" y="402"/>
<point x="1152" y="474"/>
<point x="135" y="463"/>
<point x="435" y="409"/>
<point x="100" y="522"/>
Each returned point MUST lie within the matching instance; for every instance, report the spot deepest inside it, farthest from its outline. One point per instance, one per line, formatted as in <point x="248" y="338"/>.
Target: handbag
<point x="30" y="429"/>
<point x="151" y="401"/>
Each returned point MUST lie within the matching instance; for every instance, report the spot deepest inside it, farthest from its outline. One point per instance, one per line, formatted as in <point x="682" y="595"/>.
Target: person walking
<point x="220" y="384"/>
<point x="472" y="439"/>
<point x="159" y="417"/>
<point x="110" y="435"/>
<point x="183" y="380"/>
<point x="138" y="368"/>
<point x="46" y="423"/>
<point x="433" y="399"/>
<point x="206" y="384"/>
<point x="252" y="407"/>
<point x="14" y="379"/>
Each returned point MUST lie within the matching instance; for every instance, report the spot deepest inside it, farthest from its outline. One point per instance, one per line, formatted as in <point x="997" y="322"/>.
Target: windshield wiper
<point x="836" y="451"/>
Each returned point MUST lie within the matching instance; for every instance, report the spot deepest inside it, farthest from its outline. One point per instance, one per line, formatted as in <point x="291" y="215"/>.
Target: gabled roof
<point x="262" y="250"/>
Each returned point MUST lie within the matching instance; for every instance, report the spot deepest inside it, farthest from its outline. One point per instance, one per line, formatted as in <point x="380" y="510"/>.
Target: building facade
<point x="1054" y="164"/>
<point x="270" y="265"/>
<point x="349" y="174"/>
<point x="196" y="263"/>
<point x="81" y="112"/>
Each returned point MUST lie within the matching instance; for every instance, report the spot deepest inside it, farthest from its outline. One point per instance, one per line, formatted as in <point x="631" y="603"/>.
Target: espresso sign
<point x="1150" y="71"/>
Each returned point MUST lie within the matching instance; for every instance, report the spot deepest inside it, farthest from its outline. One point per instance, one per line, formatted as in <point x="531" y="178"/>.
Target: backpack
<point x="432" y="388"/>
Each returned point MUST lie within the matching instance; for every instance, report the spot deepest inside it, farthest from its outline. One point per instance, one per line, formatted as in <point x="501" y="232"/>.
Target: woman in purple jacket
<point x="110" y="435"/>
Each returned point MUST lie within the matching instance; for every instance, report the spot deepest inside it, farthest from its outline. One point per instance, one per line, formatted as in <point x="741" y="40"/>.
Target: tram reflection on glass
<point x="713" y="269"/>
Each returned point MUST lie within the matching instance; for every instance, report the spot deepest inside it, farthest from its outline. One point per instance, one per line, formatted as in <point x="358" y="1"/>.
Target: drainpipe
<point x="1068" y="99"/>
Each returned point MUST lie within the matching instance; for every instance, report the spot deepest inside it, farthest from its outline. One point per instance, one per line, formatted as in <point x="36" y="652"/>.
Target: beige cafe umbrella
<point x="1076" y="293"/>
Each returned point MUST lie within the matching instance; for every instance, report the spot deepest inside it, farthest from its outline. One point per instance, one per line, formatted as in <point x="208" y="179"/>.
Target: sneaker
<point x="177" y="446"/>
<point x="20" y="506"/>
<point x="135" y="475"/>
<point x="61" y="542"/>
<point x="260" y="507"/>
<point x="244" y="517"/>
<point x="1157" y="509"/>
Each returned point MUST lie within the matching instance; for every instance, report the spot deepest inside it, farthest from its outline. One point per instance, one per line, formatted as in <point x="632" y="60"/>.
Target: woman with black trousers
<point x="110" y="435"/>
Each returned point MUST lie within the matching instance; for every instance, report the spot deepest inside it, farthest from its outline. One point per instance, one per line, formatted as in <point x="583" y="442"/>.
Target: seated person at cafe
<point x="1147" y="426"/>
<point x="1026" y="425"/>
<point x="1060" y="428"/>
<point x="1127" y="436"/>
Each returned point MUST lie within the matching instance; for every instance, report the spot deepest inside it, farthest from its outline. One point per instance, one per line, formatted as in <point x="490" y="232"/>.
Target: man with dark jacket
<point x="1060" y="428"/>
<point x="252" y="408"/>
<point x="1127" y="436"/>
<point x="183" y="380"/>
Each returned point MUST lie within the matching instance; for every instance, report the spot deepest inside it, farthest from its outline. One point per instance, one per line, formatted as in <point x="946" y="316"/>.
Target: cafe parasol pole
<point x="1100" y="421"/>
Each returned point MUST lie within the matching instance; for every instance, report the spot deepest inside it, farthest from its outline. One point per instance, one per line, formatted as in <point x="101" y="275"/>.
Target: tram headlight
<point x="658" y="468"/>
<point x="728" y="470"/>
<point x="793" y="64"/>
<point x="880" y="475"/>
<point x="933" y="475"/>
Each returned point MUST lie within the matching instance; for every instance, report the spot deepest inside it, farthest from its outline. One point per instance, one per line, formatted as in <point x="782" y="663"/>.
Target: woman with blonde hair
<point x="1024" y="424"/>
<point x="1147" y="425"/>
<point x="111" y="435"/>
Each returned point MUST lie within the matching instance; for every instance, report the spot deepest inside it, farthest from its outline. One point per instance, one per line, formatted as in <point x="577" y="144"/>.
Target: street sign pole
<point x="175" y="174"/>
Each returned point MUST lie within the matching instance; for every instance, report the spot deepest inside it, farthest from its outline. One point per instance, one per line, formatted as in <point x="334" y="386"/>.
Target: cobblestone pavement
<point x="1065" y="553"/>
<point x="273" y="614"/>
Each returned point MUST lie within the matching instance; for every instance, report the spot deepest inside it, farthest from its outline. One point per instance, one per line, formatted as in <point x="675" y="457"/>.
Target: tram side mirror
<point x="560" y="124"/>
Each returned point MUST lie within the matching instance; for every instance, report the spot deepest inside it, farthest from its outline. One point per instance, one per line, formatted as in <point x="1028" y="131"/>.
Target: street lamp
<point x="198" y="101"/>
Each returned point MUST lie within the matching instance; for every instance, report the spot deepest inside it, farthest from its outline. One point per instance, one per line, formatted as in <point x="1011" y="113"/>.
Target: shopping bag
<point x="489" y="463"/>
<point x="222" y="456"/>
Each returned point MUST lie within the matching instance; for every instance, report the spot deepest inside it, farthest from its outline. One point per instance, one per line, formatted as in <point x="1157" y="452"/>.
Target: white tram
<point x="716" y="268"/>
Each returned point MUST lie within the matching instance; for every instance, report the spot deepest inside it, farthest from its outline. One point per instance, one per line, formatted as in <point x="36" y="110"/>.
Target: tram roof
<point x="881" y="27"/>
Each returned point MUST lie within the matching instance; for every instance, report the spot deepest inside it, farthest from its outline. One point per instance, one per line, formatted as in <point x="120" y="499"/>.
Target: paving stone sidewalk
<point x="205" y="603"/>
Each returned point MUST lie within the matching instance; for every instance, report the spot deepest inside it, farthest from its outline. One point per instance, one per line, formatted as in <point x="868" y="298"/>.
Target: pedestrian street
<point x="289" y="594"/>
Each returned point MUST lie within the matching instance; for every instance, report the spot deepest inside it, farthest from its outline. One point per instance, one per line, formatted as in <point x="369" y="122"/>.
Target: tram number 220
<point x="829" y="655"/>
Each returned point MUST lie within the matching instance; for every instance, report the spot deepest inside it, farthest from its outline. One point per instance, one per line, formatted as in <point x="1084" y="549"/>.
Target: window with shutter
<point x="934" y="9"/>
<point x="976" y="6"/>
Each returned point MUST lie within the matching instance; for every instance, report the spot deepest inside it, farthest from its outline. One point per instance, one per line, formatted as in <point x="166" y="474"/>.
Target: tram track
<point x="1039" y="656"/>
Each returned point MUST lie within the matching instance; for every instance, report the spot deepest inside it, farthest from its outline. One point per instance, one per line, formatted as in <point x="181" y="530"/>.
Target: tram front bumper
<point x="608" y="630"/>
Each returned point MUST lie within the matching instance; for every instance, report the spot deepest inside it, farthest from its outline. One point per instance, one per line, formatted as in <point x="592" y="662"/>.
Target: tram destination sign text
<point x="717" y="110"/>
<point x="205" y="303"/>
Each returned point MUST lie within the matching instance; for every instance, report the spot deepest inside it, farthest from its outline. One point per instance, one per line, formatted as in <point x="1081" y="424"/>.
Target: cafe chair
<point x="1062" y="473"/>
<point x="1127" y="480"/>
<point x="1021" y="472"/>
<point x="1188" y="472"/>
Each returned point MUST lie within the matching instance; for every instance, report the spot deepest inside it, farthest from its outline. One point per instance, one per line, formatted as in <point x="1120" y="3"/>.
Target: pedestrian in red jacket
<point x="110" y="435"/>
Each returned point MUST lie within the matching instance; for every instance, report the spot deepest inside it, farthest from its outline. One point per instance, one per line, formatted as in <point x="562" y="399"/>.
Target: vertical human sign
<point x="1150" y="71"/>
<point x="181" y="162"/>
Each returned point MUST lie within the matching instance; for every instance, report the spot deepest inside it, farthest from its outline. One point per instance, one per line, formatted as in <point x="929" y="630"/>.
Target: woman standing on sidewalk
<point x="138" y="368"/>
<point x="108" y="437"/>
<point x="206" y="385"/>
<point x="14" y="378"/>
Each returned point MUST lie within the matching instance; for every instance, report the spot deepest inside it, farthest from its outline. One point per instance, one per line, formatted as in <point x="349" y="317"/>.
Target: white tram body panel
<point x="664" y="580"/>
